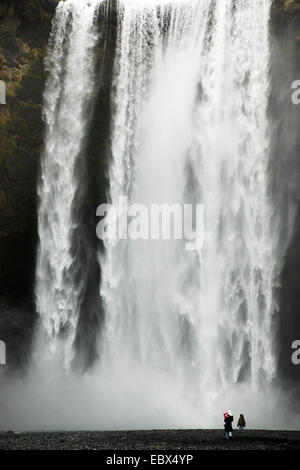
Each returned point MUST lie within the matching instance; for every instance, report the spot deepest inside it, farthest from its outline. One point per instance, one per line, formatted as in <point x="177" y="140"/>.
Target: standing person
<point x="241" y="423"/>
<point x="228" y="419"/>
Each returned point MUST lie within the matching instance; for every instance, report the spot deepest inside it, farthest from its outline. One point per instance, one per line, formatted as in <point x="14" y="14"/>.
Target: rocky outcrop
<point x="285" y="172"/>
<point x="285" y="22"/>
<point x="24" y="30"/>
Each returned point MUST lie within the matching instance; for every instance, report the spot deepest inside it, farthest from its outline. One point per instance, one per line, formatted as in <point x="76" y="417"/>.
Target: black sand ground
<point x="152" y="440"/>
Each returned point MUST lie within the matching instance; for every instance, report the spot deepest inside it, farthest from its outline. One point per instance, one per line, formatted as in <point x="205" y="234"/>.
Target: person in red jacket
<point x="228" y="420"/>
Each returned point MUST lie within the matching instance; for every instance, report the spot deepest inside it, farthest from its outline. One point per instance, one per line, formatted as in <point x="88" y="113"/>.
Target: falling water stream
<point x="68" y="94"/>
<point x="190" y="125"/>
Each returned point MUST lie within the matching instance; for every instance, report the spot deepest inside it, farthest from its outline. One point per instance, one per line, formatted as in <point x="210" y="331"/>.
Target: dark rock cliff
<point x="285" y="173"/>
<point x="24" y="31"/>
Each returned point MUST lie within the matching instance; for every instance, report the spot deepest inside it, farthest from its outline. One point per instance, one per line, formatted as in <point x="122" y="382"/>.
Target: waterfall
<point x="186" y="334"/>
<point x="190" y="125"/>
<point x="67" y="98"/>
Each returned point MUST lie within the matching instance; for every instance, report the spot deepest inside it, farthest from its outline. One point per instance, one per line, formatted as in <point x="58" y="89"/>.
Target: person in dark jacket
<point x="241" y="423"/>
<point x="228" y="420"/>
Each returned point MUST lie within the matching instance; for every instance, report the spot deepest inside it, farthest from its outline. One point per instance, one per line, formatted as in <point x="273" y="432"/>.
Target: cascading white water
<point x="186" y="335"/>
<point x="190" y="125"/>
<point x="67" y="97"/>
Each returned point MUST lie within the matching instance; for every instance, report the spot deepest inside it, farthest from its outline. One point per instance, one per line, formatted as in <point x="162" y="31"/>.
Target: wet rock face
<point x="33" y="10"/>
<point x="29" y="9"/>
<point x="285" y="172"/>
<point x="24" y="30"/>
<point x="289" y="6"/>
<point x="285" y="23"/>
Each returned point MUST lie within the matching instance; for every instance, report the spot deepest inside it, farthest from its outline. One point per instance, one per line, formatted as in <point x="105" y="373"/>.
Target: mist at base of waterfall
<point x="131" y="397"/>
